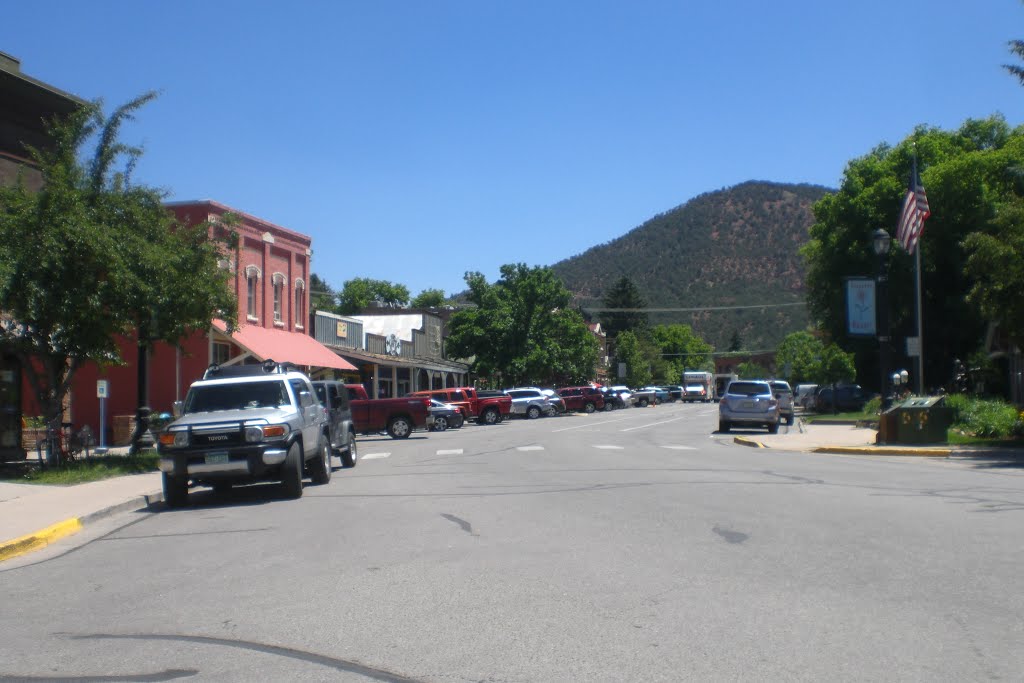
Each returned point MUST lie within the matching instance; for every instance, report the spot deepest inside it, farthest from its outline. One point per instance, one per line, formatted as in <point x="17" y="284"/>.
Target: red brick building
<point x="271" y="268"/>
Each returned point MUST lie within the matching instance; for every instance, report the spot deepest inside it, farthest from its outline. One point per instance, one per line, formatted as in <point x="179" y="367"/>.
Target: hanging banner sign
<point x="860" y="307"/>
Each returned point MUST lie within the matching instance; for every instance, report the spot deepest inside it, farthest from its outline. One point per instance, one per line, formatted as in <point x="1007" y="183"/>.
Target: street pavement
<point x="33" y="516"/>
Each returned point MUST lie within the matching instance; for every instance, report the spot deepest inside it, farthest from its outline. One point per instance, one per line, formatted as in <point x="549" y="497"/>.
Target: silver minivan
<point x="749" y="403"/>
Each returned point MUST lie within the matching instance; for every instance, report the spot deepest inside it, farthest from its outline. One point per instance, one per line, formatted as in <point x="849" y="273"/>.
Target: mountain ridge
<point x="728" y="248"/>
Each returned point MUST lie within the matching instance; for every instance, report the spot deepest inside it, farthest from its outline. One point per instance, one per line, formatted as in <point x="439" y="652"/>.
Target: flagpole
<point x="920" y="326"/>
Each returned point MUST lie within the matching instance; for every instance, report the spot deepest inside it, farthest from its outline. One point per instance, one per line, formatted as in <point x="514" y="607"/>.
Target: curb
<point x="882" y="450"/>
<point x="743" y="441"/>
<point x="44" y="537"/>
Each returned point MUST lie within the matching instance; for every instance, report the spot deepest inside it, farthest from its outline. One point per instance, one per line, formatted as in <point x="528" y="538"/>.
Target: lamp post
<point x="881" y="242"/>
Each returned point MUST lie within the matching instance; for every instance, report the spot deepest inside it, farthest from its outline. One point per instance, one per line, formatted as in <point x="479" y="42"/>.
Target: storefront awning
<point x="285" y="347"/>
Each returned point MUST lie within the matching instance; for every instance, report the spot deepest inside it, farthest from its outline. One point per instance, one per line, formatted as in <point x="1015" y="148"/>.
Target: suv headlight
<point x="177" y="439"/>
<point x="253" y="434"/>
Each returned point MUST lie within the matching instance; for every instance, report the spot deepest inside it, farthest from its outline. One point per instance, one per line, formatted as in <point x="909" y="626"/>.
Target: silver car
<point x="530" y="402"/>
<point x="749" y="403"/>
<point x="784" y="393"/>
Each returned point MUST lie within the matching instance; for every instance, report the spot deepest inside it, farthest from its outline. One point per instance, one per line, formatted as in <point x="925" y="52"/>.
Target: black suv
<point x="334" y="397"/>
<point x="849" y="398"/>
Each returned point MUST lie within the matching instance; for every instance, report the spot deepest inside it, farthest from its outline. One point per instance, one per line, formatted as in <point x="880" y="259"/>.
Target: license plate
<point x="748" y="404"/>
<point x="217" y="458"/>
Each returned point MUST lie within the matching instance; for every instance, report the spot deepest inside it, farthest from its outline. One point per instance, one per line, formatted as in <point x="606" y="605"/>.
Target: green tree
<point x="92" y="257"/>
<point x="681" y="349"/>
<point x="430" y="298"/>
<point x="630" y="350"/>
<point x="800" y="353"/>
<point x="751" y="370"/>
<point x="968" y="174"/>
<point x="627" y="304"/>
<point x="522" y="331"/>
<point x="735" y="342"/>
<point x="361" y="292"/>
<point x="996" y="263"/>
<point x="321" y="296"/>
<point x="1017" y="50"/>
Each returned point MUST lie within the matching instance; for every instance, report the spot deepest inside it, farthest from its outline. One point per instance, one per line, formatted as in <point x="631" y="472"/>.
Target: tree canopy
<point x="361" y="292"/>
<point x="321" y="296"/>
<point x="522" y="331"/>
<point x="92" y="256"/>
<point x="680" y="349"/>
<point x="972" y="176"/>
<point x="430" y="298"/>
<point x="623" y="295"/>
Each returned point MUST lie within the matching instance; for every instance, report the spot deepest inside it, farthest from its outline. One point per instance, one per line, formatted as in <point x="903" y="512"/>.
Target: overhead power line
<point x="689" y="310"/>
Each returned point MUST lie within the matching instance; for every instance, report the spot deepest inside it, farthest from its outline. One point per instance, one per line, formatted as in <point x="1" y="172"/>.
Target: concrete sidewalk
<point x="32" y="516"/>
<point x="823" y="437"/>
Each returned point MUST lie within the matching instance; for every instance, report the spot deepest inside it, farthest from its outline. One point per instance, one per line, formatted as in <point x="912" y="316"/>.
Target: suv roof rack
<point x="267" y="367"/>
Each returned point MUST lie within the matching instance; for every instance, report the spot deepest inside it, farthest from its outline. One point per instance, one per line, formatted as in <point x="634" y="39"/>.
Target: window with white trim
<point x="278" y="297"/>
<point x="252" y="278"/>
<point x="300" y="300"/>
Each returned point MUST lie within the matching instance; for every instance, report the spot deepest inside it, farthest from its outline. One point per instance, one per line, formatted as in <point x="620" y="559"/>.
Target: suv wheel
<point x="291" y="472"/>
<point x="175" y="490"/>
<point x="320" y="466"/>
<point x="773" y="428"/>
<point x="490" y="416"/>
<point x="723" y="426"/>
<point x="399" y="428"/>
<point x="643" y="403"/>
<point x="589" y="407"/>
<point x="533" y="412"/>
<point x="440" y="424"/>
<point x="348" y="456"/>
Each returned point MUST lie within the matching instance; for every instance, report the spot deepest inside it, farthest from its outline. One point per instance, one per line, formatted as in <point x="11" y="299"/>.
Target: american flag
<point x="913" y="214"/>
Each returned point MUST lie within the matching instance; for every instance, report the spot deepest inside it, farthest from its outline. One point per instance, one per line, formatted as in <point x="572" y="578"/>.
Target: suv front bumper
<point x="239" y="462"/>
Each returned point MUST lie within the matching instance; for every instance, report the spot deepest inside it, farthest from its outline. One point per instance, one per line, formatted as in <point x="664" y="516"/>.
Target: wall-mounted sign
<point x="393" y="345"/>
<point x="343" y="330"/>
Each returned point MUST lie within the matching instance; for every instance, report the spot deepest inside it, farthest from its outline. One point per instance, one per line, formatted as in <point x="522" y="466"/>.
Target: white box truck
<point x="697" y="386"/>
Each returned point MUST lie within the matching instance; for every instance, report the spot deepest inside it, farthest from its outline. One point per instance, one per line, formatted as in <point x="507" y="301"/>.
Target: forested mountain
<point x="733" y="247"/>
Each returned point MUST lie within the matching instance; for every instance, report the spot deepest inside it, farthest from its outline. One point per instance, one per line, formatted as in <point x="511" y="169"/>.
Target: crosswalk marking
<point x="451" y="451"/>
<point x="374" y="456"/>
<point x="529" y="448"/>
<point x="680" y="448"/>
<point x="608" y="447"/>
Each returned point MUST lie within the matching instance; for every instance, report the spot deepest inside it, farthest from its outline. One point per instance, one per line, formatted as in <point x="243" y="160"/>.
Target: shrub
<point x="987" y="418"/>
<point x="874" y="406"/>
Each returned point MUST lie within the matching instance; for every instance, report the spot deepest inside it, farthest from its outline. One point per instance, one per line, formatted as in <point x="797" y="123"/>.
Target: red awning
<point x="285" y="347"/>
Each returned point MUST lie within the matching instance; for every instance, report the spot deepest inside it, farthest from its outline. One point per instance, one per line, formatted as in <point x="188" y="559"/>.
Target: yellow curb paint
<point x="876" y="450"/>
<point x="40" y="539"/>
<point x="747" y="442"/>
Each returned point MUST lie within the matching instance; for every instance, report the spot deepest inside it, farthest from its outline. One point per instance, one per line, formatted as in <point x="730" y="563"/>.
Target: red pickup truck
<point x="398" y="416"/>
<point x="486" y="410"/>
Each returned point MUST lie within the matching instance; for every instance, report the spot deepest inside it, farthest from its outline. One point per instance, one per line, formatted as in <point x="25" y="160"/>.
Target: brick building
<point x="271" y="268"/>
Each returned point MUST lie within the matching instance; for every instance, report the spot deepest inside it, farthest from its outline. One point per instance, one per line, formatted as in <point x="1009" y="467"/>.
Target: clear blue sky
<point x="418" y="140"/>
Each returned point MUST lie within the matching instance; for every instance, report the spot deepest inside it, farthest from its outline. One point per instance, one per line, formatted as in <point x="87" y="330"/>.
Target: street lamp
<point x="881" y="242"/>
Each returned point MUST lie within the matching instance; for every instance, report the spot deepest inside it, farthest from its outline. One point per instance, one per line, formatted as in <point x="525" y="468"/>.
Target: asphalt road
<point x="627" y="546"/>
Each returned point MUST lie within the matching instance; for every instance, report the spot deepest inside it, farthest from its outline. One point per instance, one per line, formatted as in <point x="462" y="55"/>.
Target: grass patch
<point x="811" y="418"/>
<point x="959" y="438"/>
<point x="80" y="471"/>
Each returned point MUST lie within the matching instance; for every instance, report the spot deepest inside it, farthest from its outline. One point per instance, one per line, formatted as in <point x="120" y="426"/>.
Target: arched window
<point x="278" y="280"/>
<point x="252" y="278"/>
<point x="300" y="300"/>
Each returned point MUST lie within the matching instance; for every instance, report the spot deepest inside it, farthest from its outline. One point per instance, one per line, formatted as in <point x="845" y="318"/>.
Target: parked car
<point x="445" y="416"/>
<point x="584" y="399"/>
<point x="660" y="394"/>
<point x="849" y="398"/>
<point x="397" y="416"/>
<point x="486" y="407"/>
<point x="749" y="403"/>
<point x="675" y="392"/>
<point x="784" y="393"/>
<point x="529" y="402"/>
<point x="245" y="423"/>
<point x="616" y="398"/>
<point x="803" y="395"/>
<point x="334" y="398"/>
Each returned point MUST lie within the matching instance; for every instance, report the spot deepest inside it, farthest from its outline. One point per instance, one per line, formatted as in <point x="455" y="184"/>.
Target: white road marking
<point x="589" y="424"/>
<point x="529" y="448"/>
<point x="652" y="424"/>
<point x="453" y="451"/>
<point x="373" y="456"/>
<point x="608" y="447"/>
<point x="680" y="448"/>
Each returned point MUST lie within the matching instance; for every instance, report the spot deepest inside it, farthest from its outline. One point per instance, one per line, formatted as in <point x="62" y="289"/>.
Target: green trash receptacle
<point x="923" y="419"/>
